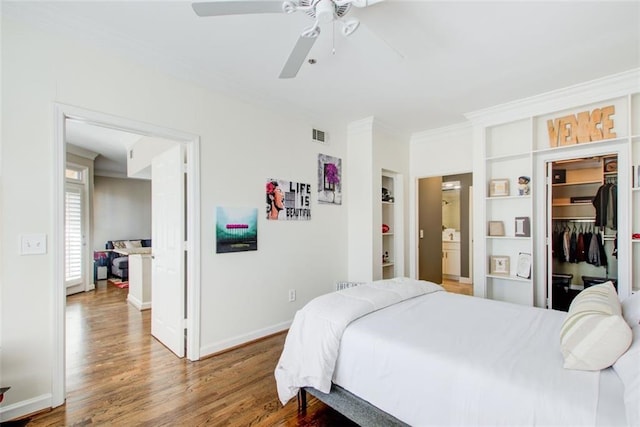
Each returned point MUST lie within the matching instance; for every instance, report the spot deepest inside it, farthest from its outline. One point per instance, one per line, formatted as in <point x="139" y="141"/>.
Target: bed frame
<point x="351" y="406"/>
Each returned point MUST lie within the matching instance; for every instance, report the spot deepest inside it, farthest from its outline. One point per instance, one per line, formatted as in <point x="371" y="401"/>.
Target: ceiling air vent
<point x="319" y="136"/>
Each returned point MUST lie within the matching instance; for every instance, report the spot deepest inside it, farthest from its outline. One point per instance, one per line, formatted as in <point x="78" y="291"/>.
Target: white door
<point x="168" y="236"/>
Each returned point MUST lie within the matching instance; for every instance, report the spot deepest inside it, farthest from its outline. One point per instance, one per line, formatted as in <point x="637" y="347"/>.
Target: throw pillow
<point x="133" y="244"/>
<point x="594" y="334"/>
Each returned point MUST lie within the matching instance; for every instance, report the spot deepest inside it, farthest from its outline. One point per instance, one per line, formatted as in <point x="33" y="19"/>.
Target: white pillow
<point x="631" y="309"/>
<point x="132" y="244"/>
<point x="594" y="333"/>
<point x="628" y="369"/>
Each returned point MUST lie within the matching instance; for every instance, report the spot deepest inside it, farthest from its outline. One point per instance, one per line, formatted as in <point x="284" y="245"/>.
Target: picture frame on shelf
<point x="523" y="226"/>
<point x="499" y="265"/>
<point x="524" y="265"/>
<point x="496" y="228"/>
<point x="498" y="187"/>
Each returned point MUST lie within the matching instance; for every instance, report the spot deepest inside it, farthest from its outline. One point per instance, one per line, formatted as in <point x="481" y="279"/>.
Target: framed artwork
<point x="523" y="226"/>
<point x="329" y="179"/>
<point x="496" y="228"/>
<point x="288" y="200"/>
<point x="498" y="187"/>
<point x="524" y="265"/>
<point x="499" y="265"/>
<point x="236" y="229"/>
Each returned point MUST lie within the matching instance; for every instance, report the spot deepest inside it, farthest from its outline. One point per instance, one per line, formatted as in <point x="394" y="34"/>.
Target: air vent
<point x="319" y="136"/>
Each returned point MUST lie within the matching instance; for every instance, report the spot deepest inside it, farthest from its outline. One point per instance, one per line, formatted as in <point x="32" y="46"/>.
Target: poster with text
<point x="329" y="179"/>
<point x="236" y="229"/>
<point x="288" y="200"/>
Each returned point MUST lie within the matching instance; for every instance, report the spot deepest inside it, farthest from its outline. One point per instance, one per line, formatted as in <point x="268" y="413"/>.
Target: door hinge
<point x="184" y="168"/>
<point x="185" y="245"/>
<point x="184" y="323"/>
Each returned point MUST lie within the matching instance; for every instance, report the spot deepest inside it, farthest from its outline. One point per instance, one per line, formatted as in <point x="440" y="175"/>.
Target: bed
<point x="429" y="357"/>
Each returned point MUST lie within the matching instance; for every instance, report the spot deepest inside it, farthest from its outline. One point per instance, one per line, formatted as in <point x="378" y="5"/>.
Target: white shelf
<point x="387" y="264"/>
<point x="512" y="278"/>
<point x="510" y="237"/>
<point x="387" y="234"/>
<point x="387" y="203"/>
<point x="566" y="184"/>
<point x="508" y="156"/>
<point x="508" y="197"/>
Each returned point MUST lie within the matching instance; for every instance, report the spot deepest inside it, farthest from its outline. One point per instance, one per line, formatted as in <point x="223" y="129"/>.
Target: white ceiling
<point x="414" y="65"/>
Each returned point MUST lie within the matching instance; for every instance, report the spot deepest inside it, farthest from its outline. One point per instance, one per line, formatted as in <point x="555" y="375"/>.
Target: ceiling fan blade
<point x="297" y="57"/>
<point x="365" y="3"/>
<point x="236" y="7"/>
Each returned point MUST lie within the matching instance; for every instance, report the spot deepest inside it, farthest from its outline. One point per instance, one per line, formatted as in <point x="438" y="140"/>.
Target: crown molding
<point x="601" y="89"/>
<point x="462" y="129"/>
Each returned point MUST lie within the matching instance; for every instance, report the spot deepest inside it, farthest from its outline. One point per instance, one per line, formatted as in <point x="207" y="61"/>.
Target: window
<point x="73" y="233"/>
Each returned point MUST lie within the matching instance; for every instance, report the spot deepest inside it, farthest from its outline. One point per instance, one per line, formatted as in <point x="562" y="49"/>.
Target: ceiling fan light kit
<point x="322" y="11"/>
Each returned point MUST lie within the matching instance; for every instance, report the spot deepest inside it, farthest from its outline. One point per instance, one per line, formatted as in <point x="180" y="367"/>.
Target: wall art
<point x="236" y="229"/>
<point x="329" y="179"/>
<point x="288" y="200"/>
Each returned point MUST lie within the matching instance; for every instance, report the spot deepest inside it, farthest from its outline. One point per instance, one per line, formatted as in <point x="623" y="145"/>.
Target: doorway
<point x="583" y="221"/>
<point x="444" y="230"/>
<point x="190" y="144"/>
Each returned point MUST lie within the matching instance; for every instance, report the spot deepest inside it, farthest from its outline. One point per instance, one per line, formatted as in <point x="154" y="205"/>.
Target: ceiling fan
<point x="322" y="11"/>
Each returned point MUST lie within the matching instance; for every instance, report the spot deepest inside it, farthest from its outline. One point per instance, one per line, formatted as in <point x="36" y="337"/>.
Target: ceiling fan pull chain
<point x="333" y="39"/>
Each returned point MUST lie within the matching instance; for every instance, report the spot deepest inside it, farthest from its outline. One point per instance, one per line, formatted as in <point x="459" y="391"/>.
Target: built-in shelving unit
<point x="507" y="158"/>
<point x="389" y="206"/>
<point x="513" y="142"/>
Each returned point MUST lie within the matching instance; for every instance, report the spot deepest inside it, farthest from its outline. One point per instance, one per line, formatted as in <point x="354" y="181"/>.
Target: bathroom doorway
<point x="444" y="230"/>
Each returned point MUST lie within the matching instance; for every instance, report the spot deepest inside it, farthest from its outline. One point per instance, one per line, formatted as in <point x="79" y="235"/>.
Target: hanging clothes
<point x="573" y="247"/>
<point x="593" y="256"/>
<point x="606" y="204"/>
<point x="581" y="253"/>
<point x="566" y="245"/>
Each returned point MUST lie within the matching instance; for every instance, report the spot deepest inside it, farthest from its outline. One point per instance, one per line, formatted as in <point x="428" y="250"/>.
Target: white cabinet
<point x="451" y="259"/>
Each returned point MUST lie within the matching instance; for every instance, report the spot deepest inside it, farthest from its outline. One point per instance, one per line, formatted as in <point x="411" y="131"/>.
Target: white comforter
<point x="311" y="348"/>
<point x="447" y="359"/>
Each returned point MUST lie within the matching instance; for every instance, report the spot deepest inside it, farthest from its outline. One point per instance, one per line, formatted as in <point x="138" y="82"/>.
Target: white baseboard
<point x="137" y="303"/>
<point x="242" y="339"/>
<point x="25" y="407"/>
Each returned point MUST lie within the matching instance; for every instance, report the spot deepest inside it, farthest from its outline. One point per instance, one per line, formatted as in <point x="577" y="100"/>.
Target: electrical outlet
<point x="292" y="295"/>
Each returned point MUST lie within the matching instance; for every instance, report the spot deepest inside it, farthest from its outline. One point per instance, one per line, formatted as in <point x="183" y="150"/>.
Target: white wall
<point x="372" y="148"/>
<point x="243" y="295"/>
<point x="438" y="152"/>
<point x="121" y="210"/>
<point x="143" y="152"/>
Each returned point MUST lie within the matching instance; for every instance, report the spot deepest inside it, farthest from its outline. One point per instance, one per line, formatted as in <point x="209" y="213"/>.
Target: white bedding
<point x="311" y="347"/>
<point x="447" y="359"/>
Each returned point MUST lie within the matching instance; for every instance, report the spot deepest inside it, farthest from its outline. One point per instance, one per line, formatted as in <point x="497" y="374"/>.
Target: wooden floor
<point x="118" y="375"/>
<point x="457" y="287"/>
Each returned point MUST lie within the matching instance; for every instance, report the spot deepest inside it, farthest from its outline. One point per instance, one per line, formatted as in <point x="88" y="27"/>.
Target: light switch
<point x="33" y="244"/>
<point x="422" y="234"/>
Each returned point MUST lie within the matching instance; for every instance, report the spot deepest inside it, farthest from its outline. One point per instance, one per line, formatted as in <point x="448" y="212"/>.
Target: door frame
<point x="414" y="207"/>
<point x="192" y="246"/>
<point x="541" y="221"/>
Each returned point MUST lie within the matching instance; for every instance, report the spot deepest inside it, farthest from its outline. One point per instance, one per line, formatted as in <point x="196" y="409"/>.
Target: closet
<point x="583" y="235"/>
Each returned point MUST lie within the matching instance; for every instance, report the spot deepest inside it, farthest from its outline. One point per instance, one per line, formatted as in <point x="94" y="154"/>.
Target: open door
<point x="430" y="229"/>
<point x="168" y="237"/>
